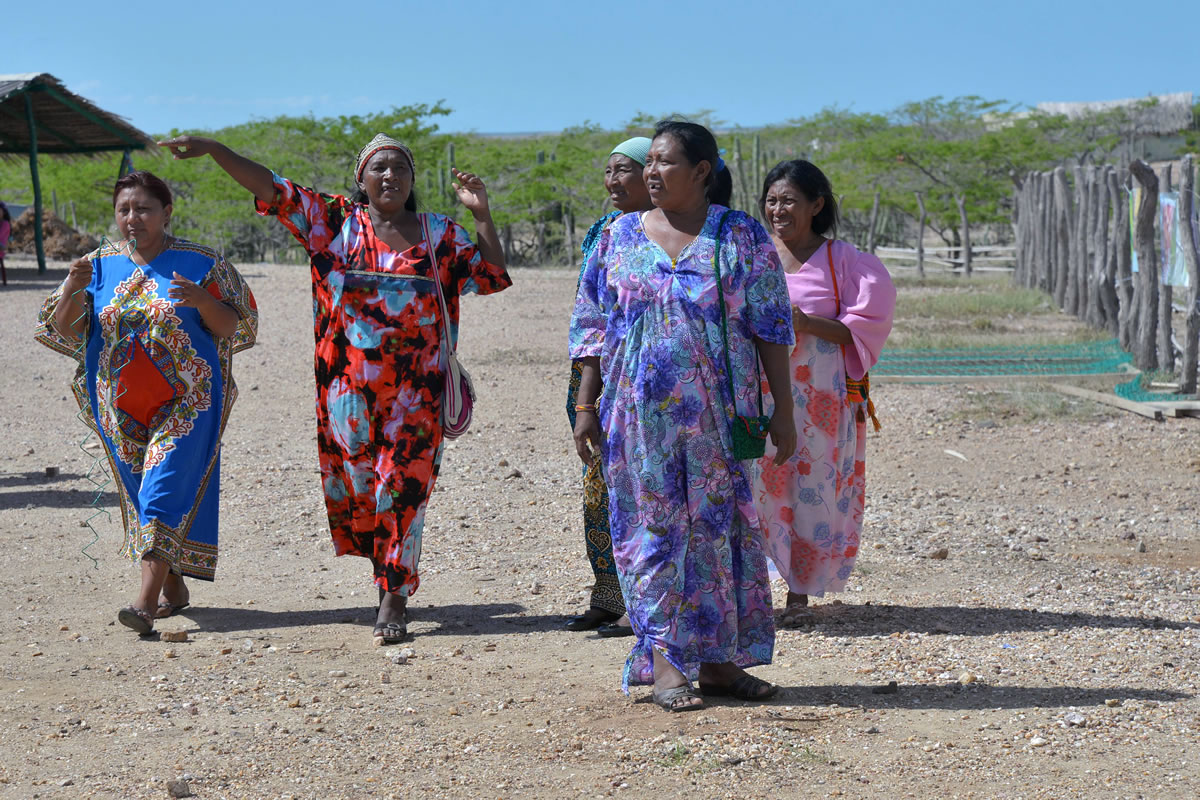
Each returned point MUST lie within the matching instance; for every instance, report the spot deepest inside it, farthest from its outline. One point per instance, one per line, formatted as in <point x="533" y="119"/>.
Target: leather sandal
<point x="136" y="619"/>
<point x="747" y="687"/>
<point x="668" y="699"/>
<point x="591" y="619"/>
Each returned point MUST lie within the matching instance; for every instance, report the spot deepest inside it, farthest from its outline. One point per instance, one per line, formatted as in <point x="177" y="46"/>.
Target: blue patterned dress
<point x="684" y="529"/>
<point x="157" y="387"/>
<point x="606" y="591"/>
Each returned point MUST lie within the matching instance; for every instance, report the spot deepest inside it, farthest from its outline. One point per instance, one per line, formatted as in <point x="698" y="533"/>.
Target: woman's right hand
<point x="587" y="436"/>
<point x="78" y="276"/>
<point x="190" y="146"/>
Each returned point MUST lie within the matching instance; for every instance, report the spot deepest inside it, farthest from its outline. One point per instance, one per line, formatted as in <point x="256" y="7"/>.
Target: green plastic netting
<point x="1137" y="391"/>
<point x="1084" y="358"/>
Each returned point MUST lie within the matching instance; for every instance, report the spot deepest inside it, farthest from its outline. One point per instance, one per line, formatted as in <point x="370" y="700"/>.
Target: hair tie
<point x="720" y="164"/>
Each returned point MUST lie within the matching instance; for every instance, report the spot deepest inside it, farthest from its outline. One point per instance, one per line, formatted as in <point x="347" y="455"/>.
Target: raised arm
<point x="250" y="174"/>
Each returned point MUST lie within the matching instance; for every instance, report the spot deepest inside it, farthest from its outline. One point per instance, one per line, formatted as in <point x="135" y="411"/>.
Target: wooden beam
<point x="37" y="185"/>
<point x="880" y="379"/>
<point x="61" y="137"/>
<point x="84" y="112"/>
<point x="1148" y="411"/>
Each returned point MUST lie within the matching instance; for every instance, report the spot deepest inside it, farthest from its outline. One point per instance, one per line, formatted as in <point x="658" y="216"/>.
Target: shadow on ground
<point x="874" y="620"/>
<point x="458" y="619"/>
<point x="958" y="697"/>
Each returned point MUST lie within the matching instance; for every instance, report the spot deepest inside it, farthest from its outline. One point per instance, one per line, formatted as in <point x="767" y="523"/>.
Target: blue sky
<point x="542" y="66"/>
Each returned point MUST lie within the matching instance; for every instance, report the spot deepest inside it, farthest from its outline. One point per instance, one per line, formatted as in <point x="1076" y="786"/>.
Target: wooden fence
<point x="1073" y="241"/>
<point x="949" y="260"/>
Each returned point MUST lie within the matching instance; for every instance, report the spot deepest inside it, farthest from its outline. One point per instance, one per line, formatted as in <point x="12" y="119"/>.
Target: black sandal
<point x="668" y="699"/>
<point x="591" y="619"/>
<point x="747" y="688"/>
<point x="390" y="632"/>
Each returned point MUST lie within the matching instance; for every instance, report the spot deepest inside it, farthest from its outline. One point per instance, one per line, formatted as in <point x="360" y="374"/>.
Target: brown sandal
<point x="136" y="619"/>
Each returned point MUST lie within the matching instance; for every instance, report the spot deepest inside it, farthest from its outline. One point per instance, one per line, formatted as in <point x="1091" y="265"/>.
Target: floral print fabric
<point x="159" y="387"/>
<point x="379" y="369"/>
<point x="812" y="505"/>
<point x="684" y="529"/>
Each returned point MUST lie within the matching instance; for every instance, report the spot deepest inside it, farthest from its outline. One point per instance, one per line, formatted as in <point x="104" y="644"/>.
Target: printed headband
<point x="381" y="142"/>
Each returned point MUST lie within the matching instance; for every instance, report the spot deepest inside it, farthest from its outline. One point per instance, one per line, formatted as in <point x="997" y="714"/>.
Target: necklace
<point x="162" y="248"/>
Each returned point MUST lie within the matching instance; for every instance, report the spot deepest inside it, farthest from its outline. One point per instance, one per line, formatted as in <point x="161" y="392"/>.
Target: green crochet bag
<point x="749" y="433"/>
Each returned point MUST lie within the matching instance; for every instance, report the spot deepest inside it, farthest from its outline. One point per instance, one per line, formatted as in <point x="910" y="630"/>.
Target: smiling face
<point x="140" y="215"/>
<point x="387" y="180"/>
<point x="789" y="212"/>
<point x="624" y="183"/>
<point x="674" y="182"/>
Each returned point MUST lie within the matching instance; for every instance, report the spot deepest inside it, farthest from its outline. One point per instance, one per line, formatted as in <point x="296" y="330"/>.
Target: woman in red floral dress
<point x="379" y="365"/>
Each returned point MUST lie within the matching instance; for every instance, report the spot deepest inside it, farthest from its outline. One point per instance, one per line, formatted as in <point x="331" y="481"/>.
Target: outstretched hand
<point x="190" y="146"/>
<point x="471" y="191"/>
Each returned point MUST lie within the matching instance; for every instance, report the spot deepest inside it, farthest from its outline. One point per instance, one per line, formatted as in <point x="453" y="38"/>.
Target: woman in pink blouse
<point x="811" y="506"/>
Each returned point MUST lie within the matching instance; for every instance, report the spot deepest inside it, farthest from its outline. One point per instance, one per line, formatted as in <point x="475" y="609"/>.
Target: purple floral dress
<point x="685" y="533"/>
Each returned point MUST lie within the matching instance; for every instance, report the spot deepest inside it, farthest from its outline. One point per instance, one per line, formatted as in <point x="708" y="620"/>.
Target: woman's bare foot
<point x="730" y="679"/>
<point x="391" y="622"/>
<point x="667" y="677"/>
<point x="173" y="597"/>
<point x="796" y="601"/>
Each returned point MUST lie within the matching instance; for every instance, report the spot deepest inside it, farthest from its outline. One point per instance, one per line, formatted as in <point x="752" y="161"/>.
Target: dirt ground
<point x="1052" y="650"/>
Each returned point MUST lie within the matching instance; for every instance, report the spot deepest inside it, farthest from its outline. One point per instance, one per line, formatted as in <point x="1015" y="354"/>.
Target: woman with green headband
<point x="627" y="192"/>
<point x="378" y="360"/>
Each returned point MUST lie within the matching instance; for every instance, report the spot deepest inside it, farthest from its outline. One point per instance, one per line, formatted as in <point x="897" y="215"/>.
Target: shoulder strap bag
<point x="856" y="391"/>
<point x="458" y="396"/>
<point x="749" y="433"/>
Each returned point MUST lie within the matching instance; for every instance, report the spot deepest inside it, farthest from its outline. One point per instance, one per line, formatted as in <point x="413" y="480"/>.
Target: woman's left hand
<point x="188" y="294"/>
<point x="471" y="191"/>
<point x="799" y="321"/>
<point x="783" y="435"/>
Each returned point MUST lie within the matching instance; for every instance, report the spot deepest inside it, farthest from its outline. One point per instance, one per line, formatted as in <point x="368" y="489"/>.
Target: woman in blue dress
<point x="153" y="323"/>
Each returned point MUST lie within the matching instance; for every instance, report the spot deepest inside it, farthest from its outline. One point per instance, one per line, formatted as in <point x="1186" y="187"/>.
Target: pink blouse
<point x="867" y="294"/>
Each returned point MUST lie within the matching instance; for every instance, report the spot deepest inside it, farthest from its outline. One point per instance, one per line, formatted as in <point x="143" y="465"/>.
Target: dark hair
<point x="700" y="145"/>
<point x="808" y="179"/>
<point x="148" y="181"/>
<point x="360" y="197"/>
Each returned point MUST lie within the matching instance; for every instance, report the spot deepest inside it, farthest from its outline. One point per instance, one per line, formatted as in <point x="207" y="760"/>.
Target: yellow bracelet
<point x="586" y="407"/>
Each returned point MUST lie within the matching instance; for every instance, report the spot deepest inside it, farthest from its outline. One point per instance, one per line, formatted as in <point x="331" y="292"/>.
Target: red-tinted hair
<point x="148" y="181"/>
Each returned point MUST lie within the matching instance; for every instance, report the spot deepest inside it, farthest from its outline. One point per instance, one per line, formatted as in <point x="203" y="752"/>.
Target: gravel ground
<point x="1023" y="623"/>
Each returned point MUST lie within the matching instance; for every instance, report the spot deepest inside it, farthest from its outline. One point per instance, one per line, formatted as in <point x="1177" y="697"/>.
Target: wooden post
<point x="37" y="185"/>
<point x="1065" y="217"/>
<point x="961" y="200"/>
<point x="871" y="224"/>
<point x="1076" y="281"/>
<point x="1127" y="315"/>
<point x="74" y="220"/>
<point x="1166" y="348"/>
<point x="921" y="237"/>
<point x="1145" y="354"/>
<point x="1191" y="254"/>
<point x="1045" y="232"/>
<point x="1108" y="276"/>
<point x="1098" y="224"/>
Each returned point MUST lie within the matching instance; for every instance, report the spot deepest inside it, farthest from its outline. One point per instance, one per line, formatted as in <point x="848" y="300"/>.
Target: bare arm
<point x="831" y="330"/>
<point x="473" y="195"/>
<point x="68" y="317"/>
<point x="783" y="424"/>
<point x="250" y="174"/>
<point x="587" y="423"/>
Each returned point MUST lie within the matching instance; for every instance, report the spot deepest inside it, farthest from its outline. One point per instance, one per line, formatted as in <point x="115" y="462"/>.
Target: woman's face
<point x="672" y="180"/>
<point x="140" y="215"/>
<point x="624" y="183"/>
<point x="789" y="212"/>
<point x="387" y="180"/>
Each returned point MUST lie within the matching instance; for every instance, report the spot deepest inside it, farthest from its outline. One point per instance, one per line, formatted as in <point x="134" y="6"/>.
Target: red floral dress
<point x="379" y="365"/>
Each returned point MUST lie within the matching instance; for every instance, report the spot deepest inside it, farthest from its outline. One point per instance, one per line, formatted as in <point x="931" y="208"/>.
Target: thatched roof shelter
<point x="38" y="114"/>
